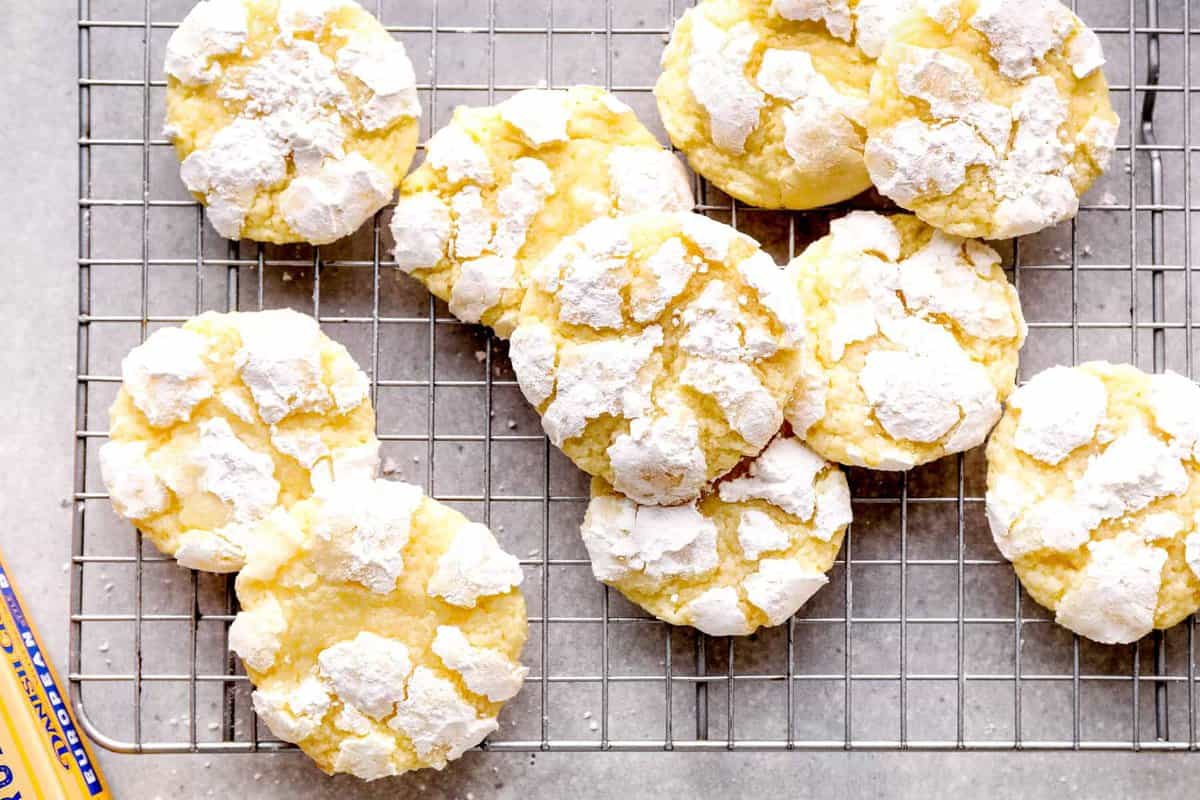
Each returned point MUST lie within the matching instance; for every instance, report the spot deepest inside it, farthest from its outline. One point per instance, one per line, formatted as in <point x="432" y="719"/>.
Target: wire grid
<point x="922" y="640"/>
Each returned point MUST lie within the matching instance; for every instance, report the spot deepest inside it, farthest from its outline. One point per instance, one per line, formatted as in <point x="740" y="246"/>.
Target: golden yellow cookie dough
<point x="294" y="120"/>
<point x="912" y="345"/>
<point x="748" y="554"/>
<point x="990" y="118"/>
<point x="220" y="421"/>
<point x="659" y="349"/>
<point x="1094" y="495"/>
<point x="768" y="97"/>
<point x="501" y="185"/>
<point x="380" y="628"/>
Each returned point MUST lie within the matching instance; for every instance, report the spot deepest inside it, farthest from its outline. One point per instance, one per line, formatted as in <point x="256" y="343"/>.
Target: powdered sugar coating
<point x="656" y="320"/>
<point x="1049" y="429"/>
<point x="484" y="671"/>
<point x="1097" y="518"/>
<point x="375" y="677"/>
<point x="749" y="553"/>
<point x="515" y="180"/>
<point x="983" y="136"/>
<point x="207" y="413"/>
<point x="286" y="167"/>
<point x="167" y="376"/>
<point x="914" y="331"/>
<point x="213" y="28"/>
<point x="717" y="80"/>
<point x="473" y="567"/>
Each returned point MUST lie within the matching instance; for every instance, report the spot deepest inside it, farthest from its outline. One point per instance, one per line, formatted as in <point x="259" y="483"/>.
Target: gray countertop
<point x="37" y="326"/>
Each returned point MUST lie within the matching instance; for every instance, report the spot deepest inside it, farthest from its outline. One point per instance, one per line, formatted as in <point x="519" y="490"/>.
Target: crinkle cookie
<point x="502" y="185"/>
<point x="768" y="98"/>
<point x="912" y="345"/>
<point x="749" y="553"/>
<point x="221" y="421"/>
<point x="660" y="349"/>
<point x="1094" y="495"/>
<point x="294" y="119"/>
<point x="989" y="118"/>
<point x="380" y="628"/>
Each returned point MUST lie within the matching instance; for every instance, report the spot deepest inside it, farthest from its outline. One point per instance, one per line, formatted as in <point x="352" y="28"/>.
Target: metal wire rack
<point x="923" y="640"/>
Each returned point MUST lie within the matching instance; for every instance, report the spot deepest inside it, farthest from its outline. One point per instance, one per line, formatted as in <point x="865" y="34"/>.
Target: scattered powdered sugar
<point x="421" y="227"/>
<point x="1061" y="409"/>
<point x="1160" y="526"/>
<point x="293" y="715"/>
<point x="305" y="446"/>
<point x="381" y="64"/>
<point x="758" y="534"/>
<point x="834" y="508"/>
<point x="1022" y="32"/>
<point x="874" y="20"/>
<point x="533" y="353"/>
<point x="212" y="28"/>
<point x="718" y="612"/>
<point x="332" y="202"/>
<point x="939" y="279"/>
<point x="834" y="13"/>
<point x="541" y="115"/>
<point x="440" y="723"/>
<point x="367" y="672"/>
<point x="135" y="490"/>
<point x="712" y="325"/>
<point x="808" y="403"/>
<point x="659" y="460"/>
<point x="1085" y="53"/>
<point x="473" y="223"/>
<point x="662" y="542"/>
<point x="519" y="202"/>
<point x="241" y="477"/>
<point x="777" y="293"/>
<point x="750" y="409"/>
<point x="473" y="566"/>
<point x="952" y="90"/>
<point x="1175" y="403"/>
<point x="254" y="634"/>
<point x="588" y="272"/>
<point x="307" y="16"/>
<point x="454" y="152"/>
<point x="598" y="378"/>
<point x="644" y="178"/>
<point x="480" y="286"/>
<point x="716" y="78"/>
<point x="784" y="476"/>
<point x="667" y="273"/>
<point x="167" y="376"/>
<point x="1192" y="550"/>
<point x="360" y="530"/>
<point x="1099" y="138"/>
<point x="222" y="550"/>
<point x="366" y="757"/>
<point x="929" y="388"/>
<point x="1115" y="598"/>
<point x="280" y="363"/>
<point x="781" y="586"/>
<point x="484" y="671"/>
<point x="944" y="12"/>
<point x="912" y="159"/>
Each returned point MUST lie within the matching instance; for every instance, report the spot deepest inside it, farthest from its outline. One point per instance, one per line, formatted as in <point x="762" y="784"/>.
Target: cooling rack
<point x="922" y="640"/>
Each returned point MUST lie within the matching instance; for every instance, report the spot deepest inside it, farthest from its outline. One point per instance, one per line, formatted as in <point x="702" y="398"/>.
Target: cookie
<point x="294" y="120"/>
<point x="748" y="554"/>
<point x="1093" y="493"/>
<point x="502" y="185"/>
<point x="768" y="98"/>
<point x="380" y="628"/>
<point x="913" y="338"/>
<point x="659" y="349"/>
<point x="990" y="118"/>
<point x="221" y="421"/>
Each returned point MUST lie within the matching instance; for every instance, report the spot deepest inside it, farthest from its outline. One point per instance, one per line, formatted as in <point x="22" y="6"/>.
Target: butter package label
<point x="43" y="755"/>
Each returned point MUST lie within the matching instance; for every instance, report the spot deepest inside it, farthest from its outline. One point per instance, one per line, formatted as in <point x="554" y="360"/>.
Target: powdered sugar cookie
<point x="221" y="421"/>
<point x="912" y="343"/>
<point x="660" y="349"/>
<point x="989" y="118"/>
<point x="294" y="119"/>
<point x="502" y="185"/>
<point x="749" y="553"/>
<point x="1094" y="495"/>
<point x="380" y="628"/>
<point x="768" y="98"/>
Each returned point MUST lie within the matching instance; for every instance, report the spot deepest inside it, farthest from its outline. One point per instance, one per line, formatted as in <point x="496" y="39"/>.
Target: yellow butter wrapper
<point x="43" y="755"/>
